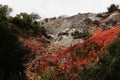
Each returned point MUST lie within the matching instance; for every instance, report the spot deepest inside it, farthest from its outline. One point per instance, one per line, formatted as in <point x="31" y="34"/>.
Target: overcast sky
<point x="51" y="8"/>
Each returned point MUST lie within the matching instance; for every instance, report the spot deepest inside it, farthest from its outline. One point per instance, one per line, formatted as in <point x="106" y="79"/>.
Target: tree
<point x="34" y="17"/>
<point x="22" y="20"/>
<point x="46" y="19"/>
<point x="25" y="19"/>
<point x="113" y="8"/>
<point x="13" y="55"/>
<point x="5" y="10"/>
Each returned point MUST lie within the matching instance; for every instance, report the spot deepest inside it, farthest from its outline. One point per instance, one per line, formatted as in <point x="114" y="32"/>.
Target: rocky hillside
<point x="84" y="46"/>
<point x="80" y="47"/>
<point x="79" y="27"/>
<point x="81" y="57"/>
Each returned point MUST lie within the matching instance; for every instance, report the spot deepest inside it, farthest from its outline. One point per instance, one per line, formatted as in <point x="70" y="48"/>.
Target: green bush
<point x="113" y="8"/>
<point x="108" y="67"/>
<point x="27" y="25"/>
<point x="13" y="55"/>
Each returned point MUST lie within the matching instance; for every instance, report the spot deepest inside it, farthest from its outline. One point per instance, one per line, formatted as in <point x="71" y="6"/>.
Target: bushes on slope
<point x="108" y="66"/>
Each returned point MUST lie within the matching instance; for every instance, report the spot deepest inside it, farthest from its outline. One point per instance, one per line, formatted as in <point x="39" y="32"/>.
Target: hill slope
<point x="67" y="31"/>
<point x="80" y="57"/>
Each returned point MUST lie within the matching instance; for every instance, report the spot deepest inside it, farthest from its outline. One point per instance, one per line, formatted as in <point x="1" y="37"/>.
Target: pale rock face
<point x="60" y="24"/>
<point x="66" y="40"/>
<point x="115" y="17"/>
<point x="61" y="29"/>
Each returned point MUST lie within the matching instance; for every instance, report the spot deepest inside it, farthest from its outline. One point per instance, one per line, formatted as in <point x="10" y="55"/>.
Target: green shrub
<point x="113" y="8"/>
<point x="108" y="67"/>
<point x="13" y="54"/>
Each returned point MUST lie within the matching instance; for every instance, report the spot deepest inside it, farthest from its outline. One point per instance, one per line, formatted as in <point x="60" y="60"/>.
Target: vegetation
<point x="28" y="24"/>
<point x="108" y="66"/>
<point x="13" y="53"/>
<point x="46" y="19"/>
<point x="78" y="35"/>
<point x="88" y="21"/>
<point x="113" y="8"/>
<point x="96" y="22"/>
<point x="97" y="58"/>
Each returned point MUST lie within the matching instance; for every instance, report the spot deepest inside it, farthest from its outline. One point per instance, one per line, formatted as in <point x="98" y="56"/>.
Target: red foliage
<point x="35" y="45"/>
<point x="89" y="52"/>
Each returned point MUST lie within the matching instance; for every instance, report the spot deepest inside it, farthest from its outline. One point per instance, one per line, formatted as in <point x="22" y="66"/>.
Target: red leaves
<point x="35" y="45"/>
<point x="90" y="50"/>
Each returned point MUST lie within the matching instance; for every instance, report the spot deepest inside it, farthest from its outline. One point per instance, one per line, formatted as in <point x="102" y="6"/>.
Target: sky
<point x="51" y="8"/>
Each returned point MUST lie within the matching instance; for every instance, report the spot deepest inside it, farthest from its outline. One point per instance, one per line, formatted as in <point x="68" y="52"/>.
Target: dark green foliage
<point x="46" y="19"/>
<point x="23" y="20"/>
<point x="108" y="67"/>
<point x="96" y="22"/>
<point x="13" y="54"/>
<point x="28" y="25"/>
<point x="77" y="35"/>
<point x="113" y="8"/>
<point x="77" y="51"/>
<point x="4" y="12"/>
<point x="10" y="46"/>
<point x="96" y="47"/>
<point x="34" y="17"/>
<point x="80" y="53"/>
<point x="112" y="22"/>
